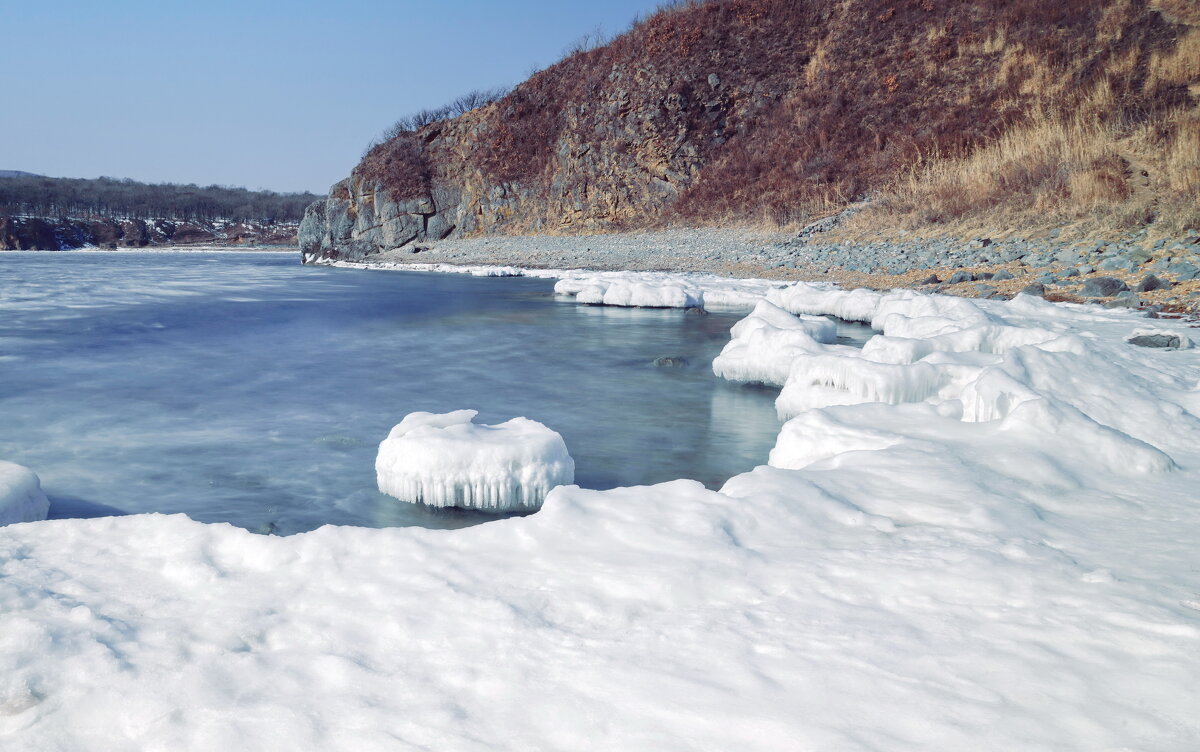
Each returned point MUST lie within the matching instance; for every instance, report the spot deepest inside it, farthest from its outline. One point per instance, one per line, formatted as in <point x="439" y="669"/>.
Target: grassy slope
<point x="961" y="116"/>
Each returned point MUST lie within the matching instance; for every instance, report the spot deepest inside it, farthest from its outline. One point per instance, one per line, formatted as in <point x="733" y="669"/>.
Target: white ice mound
<point x="445" y="460"/>
<point x="764" y="345"/>
<point x="21" y="497"/>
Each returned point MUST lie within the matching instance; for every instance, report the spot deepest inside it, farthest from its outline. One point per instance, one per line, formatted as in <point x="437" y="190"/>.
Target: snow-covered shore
<point x="1149" y="272"/>
<point x="977" y="532"/>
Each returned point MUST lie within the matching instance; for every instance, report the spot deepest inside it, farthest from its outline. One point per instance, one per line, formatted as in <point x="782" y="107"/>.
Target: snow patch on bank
<point x="624" y="289"/>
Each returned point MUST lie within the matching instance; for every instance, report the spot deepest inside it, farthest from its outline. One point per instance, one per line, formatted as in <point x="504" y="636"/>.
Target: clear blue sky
<point x="258" y="93"/>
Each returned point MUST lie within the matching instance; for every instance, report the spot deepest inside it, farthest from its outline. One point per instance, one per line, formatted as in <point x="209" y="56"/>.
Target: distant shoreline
<point x="168" y="250"/>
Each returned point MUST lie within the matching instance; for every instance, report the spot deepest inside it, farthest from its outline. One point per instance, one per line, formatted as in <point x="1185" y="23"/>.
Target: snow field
<point x="445" y="460"/>
<point x="977" y="532"/>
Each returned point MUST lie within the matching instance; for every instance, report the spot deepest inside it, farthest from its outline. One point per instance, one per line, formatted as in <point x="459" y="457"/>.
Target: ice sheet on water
<point x="446" y="460"/>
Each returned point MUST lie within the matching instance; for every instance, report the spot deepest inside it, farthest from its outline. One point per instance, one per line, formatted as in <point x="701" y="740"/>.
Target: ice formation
<point x="662" y="289"/>
<point x="765" y="343"/>
<point x="21" y="497"/>
<point x="979" y="531"/>
<point x="446" y="460"/>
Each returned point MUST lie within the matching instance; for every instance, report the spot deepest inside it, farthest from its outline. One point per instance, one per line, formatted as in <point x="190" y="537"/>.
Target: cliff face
<point x="744" y="111"/>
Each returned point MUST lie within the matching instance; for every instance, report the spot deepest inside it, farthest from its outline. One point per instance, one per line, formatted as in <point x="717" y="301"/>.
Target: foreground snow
<point x="21" y="497"/>
<point x="978" y="532"/>
<point x="446" y="460"/>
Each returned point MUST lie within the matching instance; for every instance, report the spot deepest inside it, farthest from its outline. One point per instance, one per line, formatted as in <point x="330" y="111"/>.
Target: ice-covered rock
<point x="446" y="460"/>
<point x="21" y="497"/>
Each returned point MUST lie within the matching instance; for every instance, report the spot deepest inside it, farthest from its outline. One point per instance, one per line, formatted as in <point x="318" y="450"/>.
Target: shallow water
<point x="250" y="389"/>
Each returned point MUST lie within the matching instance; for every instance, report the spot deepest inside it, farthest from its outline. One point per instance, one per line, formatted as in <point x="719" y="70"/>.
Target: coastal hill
<point x="42" y="213"/>
<point x="960" y="117"/>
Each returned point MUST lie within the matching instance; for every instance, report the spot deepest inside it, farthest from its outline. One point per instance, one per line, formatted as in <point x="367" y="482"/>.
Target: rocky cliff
<point x="762" y="111"/>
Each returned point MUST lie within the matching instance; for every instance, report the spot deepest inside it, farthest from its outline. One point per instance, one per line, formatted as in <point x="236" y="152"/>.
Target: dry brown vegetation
<point x="957" y="114"/>
<point x="1053" y="171"/>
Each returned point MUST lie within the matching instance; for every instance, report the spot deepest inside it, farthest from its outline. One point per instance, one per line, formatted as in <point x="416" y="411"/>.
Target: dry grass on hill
<point x="958" y="114"/>
<point x="1050" y="172"/>
<point x="1080" y="166"/>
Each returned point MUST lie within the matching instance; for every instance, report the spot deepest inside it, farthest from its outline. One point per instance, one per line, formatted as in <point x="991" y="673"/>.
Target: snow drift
<point x="445" y="460"/>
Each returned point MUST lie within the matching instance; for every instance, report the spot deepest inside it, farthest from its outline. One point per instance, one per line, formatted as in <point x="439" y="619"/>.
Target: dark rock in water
<point x="1126" y="299"/>
<point x="1156" y="340"/>
<point x="671" y="361"/>
<point x="1002" y="275"/>
<point x="959" y="277"/>
<point x="932" y="279"/>
<point x="1151" y="283"/>
<point x="696" y="311"/>
<point x="1036" y="289"/>
<point x="1103" y="287"/>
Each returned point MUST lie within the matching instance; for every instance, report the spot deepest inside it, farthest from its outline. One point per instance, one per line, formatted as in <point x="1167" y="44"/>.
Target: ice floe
<point x="21" y="497"/>
<point x="446" y="460"/>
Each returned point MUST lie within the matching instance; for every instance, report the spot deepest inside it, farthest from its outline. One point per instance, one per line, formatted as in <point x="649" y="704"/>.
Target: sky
<point x="274" y="94"/>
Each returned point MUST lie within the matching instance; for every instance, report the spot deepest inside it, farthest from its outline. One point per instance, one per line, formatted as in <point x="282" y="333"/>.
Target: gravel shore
<point x="1129" y="271"/>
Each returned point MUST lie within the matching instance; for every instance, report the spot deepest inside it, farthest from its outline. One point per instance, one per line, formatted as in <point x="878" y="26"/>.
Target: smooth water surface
<point x="250" y="389"/>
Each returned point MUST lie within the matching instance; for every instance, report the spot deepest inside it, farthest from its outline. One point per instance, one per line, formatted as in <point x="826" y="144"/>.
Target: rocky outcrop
<point x="360" y="218"/>
<point x="577" y="188"/>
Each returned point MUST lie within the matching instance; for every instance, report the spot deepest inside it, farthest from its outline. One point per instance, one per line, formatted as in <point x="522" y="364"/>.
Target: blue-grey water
<point x="249" y="389"/>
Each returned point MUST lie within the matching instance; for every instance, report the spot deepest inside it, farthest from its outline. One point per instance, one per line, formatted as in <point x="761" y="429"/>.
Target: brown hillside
<point x="752" y="111"/>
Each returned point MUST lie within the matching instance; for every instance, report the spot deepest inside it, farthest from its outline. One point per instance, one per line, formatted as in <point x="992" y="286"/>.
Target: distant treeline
<point x="123" y="198"/>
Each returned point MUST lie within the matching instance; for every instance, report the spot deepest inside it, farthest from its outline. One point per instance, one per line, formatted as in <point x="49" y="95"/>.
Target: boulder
<point x="1169" y="341"/>
<point x="1151" y="283"/>
<point x="1103" y="287"/>
<point x="1126" y="299"/>
<point x="1183" y="270"/>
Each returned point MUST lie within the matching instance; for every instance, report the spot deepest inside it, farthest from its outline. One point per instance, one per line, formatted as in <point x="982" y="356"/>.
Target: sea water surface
<point x="247" y="388"/>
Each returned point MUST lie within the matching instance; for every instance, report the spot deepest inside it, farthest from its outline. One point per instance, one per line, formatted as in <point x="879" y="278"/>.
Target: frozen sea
<point x="250" y="389"/>
<point x="978" y="531"/>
